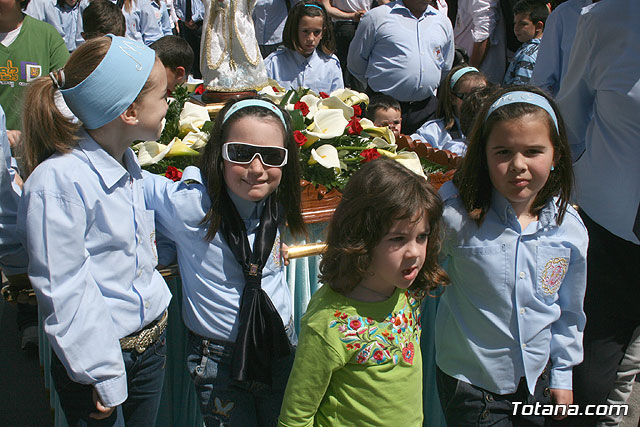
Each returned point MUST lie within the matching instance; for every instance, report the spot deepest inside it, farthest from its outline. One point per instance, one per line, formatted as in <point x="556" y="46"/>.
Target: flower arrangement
<point x="334" y="138"/>
<point x="184" y="135"/>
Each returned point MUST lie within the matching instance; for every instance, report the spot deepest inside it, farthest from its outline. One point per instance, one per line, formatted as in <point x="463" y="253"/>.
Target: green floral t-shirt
<point x="357" y="363"/>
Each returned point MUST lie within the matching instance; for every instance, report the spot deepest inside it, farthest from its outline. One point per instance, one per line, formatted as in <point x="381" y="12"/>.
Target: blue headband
<point x="113" y="86"/>
<point x="527" y="98"/>
<point x="254" y="103"/>
<point x="461" y="72"/>
<point x="312" y="5"/>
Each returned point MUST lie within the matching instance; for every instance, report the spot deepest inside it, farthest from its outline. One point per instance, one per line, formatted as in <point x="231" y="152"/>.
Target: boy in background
<point x="529" y="17"/>
<point x="176" y="56"/>
<point x="384" y="110"/>
<point x="102" y="17"/>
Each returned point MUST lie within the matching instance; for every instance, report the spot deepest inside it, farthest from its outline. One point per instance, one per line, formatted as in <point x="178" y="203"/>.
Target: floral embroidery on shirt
<point x="379" y="342"/>
<point x="553" y="274"/>
<point x="275" y="252"/>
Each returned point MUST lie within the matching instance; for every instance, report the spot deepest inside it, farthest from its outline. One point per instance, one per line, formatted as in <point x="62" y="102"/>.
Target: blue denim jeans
<point x="145" y="376"/>
<point x="464" y="404"/>
<point x="227" y="402"/>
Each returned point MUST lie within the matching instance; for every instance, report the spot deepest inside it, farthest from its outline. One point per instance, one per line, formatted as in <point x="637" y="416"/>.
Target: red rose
<point x="275" y="89"/>
<point x="302" y="106"/>
<point x="199" y="90"/>
<point x="354" y="126"/>
<point x="357" y="111"/>
<point x="173" y="173"/>
<point x="370" y="154"/>
<point x="324" y="95"/>
<point x="299" y="137"/>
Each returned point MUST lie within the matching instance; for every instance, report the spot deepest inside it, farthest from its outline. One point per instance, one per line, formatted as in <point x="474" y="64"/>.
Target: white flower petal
<point x="151" y="152"/>
<point x="196" y="140"/>
<point x="411" y="161"/>
<point x="335" y="103"/>
<point x="328" y="124"/>
<point x="327" y="156"/>
<point x="350" y="97"/>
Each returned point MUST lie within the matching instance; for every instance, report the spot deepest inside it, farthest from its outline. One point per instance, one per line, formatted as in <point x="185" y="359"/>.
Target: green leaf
<point x="297" y="119"/>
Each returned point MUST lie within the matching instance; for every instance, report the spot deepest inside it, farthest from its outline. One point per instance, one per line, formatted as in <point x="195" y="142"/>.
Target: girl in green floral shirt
<point x="358" y="360"/>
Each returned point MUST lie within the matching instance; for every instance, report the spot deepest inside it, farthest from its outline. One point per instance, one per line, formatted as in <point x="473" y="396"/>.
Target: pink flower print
<point x="362" y="356"/>
<point x="355" y="324"/>
<point x="407" y="353"/>
<point x="342" y="328"/>
<point x="378" y="355"/>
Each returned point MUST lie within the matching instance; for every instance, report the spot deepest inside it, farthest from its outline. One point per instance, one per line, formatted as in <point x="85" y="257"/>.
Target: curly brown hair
<point x="381" y="192"/>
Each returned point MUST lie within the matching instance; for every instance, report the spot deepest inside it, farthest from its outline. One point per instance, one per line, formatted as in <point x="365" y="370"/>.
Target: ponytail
<point x="45" y="129"/>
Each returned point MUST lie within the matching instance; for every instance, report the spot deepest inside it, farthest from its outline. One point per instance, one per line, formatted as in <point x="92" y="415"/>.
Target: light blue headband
<point x="312" y="5"/>
<point x="254" y="103"/>
<point x="461" y="72"/>
<point x="527" y="98"/>
<point x="113" y="86"/>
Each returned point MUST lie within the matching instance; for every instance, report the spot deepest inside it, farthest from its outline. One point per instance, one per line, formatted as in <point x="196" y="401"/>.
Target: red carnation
<point x="173" y="173"/>
<point x="199" y="90"/>
<point x="357" y="111"/>
<point x="354" y="126"/>
<point x="299" y="137"/>
<point x="370" y="154"/>
<point x="324" y="95"/>
<point x="302" y="106"/>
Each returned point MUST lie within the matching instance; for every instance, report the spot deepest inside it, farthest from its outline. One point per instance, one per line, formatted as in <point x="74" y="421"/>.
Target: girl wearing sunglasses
<point x="226" y="219"/>
<point x="445" y="132"/>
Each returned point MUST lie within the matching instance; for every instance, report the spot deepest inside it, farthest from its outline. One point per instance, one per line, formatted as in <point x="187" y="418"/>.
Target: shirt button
<point x="522" y="275"/>
<point x="522" y="310"/>
<point x="146" y="304"/>
<point x="524" y="346"/>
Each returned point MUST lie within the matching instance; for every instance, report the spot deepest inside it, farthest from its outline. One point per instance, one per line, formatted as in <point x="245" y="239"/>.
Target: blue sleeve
<point x="149" y="27"/>
<point x="546" y="73"/>
<point x="336" y="75"/>
<point x="165" y="21"/>
<point x="13" y="257"/>
<point x="361" y="47"/>
<point x="157" y="197"/>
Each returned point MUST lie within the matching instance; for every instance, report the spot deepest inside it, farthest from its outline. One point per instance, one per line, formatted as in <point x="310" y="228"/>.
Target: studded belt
<point x="143" y="339"/>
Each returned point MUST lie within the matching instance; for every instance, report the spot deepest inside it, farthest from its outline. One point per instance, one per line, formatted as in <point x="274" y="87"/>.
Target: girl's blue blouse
<point x="434" y="133"/>
<point x="318" y="72"/>
<point x="212" y="279"/>
<point x="92" y="258"/>
<point x="515" y="299"/>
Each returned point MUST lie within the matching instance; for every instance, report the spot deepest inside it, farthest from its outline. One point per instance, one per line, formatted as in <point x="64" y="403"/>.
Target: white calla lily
<point x="196" y="140"/>
<point x="192" y="118"/>
<point x="411" y="161"/>
<point x="378" y="142"/>
<point x="335" y="103"/>
<point x="312" y="102"/>
<point x="269" y="92"/>
<point x="378" y="131"/>
<point x="350" y="97"/>
<point x="151" y="152"/>
<point x="327" y="124"/>
<point x="326" y="155"/>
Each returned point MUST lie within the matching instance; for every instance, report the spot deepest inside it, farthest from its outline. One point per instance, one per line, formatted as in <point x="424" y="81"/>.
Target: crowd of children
<point x="501" y="244"/>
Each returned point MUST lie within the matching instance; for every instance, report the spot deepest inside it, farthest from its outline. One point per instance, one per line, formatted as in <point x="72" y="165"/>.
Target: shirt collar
<point x="246" y="209"/>
<point x="399" y="5"/>
<point x="503" y="209"/>
<point x="108" y="168"/>
<point x="300" y="59"/>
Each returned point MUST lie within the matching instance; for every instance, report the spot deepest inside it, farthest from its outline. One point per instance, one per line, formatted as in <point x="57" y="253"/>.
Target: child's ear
<point x="539" y="27"/>
<point x="130" y="115"/>
<point x="180" y="74"/>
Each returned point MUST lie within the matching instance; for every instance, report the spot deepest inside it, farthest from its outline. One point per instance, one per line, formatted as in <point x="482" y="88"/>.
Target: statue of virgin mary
<point x="231" y="60"/>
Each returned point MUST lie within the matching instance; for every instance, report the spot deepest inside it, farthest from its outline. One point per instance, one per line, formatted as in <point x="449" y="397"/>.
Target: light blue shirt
<point x="318" y="72"/>
<point x="141" y="22"/>
<point x="13" y="258"/>
<point x="600" y="101"/>
<point x="434" y="133"/>
<point x="197" y="9"/>
<point x="91" y="246"/>
<point x="555" y="48"/>
<point x="212" y="279"/>
<point x="400" y="55"/>
<point x="162" y="16"/>
<point x="269" y="17"/>
<point x="515" y="299"/>
<point x="64" y="19"/>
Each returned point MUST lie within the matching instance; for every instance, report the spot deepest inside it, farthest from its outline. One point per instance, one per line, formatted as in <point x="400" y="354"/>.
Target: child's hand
<point x="14" y="136"/>
<point x="561" y="397"/>
<point x="284" y="250"/>
<point x="102" y="411"/>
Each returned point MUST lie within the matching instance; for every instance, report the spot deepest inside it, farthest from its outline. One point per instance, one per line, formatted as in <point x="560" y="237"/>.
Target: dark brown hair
<point x="45" y="129"/>
<point x="472" y="179"/>
<point x="308" y="8"/>
<point x="212" y="166"/>
<point x="102" y="17"/>
<point x="446" y="94"/>
<point x="379" y="193"/>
